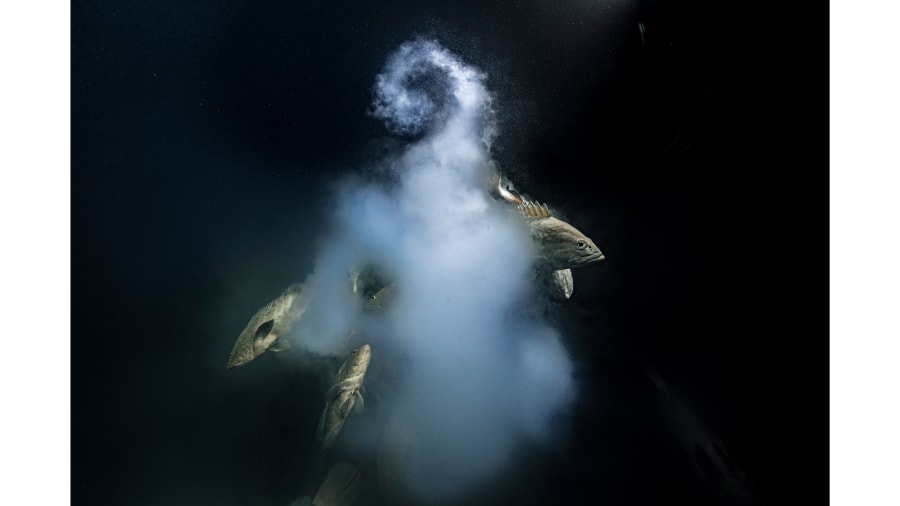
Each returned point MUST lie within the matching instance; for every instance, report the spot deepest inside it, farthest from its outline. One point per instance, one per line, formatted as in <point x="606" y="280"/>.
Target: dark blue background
<point x="204" y="137"/>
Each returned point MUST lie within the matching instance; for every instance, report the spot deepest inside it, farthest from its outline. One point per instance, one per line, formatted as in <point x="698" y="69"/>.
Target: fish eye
<point x="580" y="244"/>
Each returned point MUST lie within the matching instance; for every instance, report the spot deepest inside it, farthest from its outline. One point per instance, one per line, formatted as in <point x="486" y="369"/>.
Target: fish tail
<point x="499" y="192"/>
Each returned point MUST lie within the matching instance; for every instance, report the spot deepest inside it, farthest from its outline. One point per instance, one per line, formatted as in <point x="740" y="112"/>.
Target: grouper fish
<point x="344" y="397"/>
<point x="267" y="328"/>
<point x="560" y="245"/>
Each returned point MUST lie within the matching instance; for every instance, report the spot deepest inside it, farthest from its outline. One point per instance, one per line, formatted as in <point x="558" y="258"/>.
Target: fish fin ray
<point x="534" y="210"/>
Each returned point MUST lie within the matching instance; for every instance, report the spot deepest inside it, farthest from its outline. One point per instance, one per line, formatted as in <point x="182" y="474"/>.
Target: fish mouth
<point x="365" y="352"/>
<point x="593" y="257"/>
<point x="235" y="362"/>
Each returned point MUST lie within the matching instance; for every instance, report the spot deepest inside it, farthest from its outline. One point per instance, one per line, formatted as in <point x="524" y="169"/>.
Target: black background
<point x="205" y="135"/>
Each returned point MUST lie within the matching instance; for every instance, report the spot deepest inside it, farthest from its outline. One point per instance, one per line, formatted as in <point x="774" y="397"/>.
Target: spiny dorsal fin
<point x="534" y="210"/>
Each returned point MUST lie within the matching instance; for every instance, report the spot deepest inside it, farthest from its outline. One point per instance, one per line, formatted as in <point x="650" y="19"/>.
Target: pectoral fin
<point x="347" y="406"/>
<point x="359" y="407"/>
<point x="564" y="283"/>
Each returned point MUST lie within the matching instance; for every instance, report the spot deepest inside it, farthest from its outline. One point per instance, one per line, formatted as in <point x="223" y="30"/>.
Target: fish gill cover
<point x="483" y="372"/>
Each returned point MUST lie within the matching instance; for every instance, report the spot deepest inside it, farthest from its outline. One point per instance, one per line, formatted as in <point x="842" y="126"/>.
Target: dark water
<point x="688" y="139"/>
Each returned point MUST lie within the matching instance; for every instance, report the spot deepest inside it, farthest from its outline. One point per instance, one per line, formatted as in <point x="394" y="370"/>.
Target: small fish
<point x="561" y="246"/>
<point x="267" y="327"/>
<point x="380" y="300"/>
<point x="344" y="397"/>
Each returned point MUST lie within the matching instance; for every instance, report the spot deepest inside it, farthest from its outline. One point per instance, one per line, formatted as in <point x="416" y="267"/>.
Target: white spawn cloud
<point x="483" y="372"/>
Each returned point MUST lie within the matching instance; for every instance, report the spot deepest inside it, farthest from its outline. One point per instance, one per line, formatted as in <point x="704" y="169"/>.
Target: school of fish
<point x="560" y="248"/>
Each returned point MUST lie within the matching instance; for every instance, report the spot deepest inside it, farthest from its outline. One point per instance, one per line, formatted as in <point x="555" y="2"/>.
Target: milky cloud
<point x="482" y="370"/>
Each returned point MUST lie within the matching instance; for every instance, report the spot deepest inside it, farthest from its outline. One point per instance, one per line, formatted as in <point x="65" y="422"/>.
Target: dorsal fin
<point x="534" y="210"/>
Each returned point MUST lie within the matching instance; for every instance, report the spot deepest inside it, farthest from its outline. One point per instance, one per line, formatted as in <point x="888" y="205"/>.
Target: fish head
<point x="251" y="343"/>
<point x="356" y="363"/>
<point x="379" y="301"/>
<point x="359" y="358"/>
<point x="585" y="252"/>
<point x="564" y="246"/>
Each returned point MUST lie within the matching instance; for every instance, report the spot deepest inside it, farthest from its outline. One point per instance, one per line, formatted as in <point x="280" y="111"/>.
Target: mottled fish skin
<point x="560" y="245"/>
<point x="344" y="396"/>
<point x="378" y="302"/>
<point x="269" y="324"/>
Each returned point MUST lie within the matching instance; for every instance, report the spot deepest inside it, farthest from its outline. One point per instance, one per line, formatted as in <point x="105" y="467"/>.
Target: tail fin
<point x="499" y="191"/>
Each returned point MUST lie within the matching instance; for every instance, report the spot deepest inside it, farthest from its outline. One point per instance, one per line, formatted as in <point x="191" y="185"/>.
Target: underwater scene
<point x="489" y="253"/>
